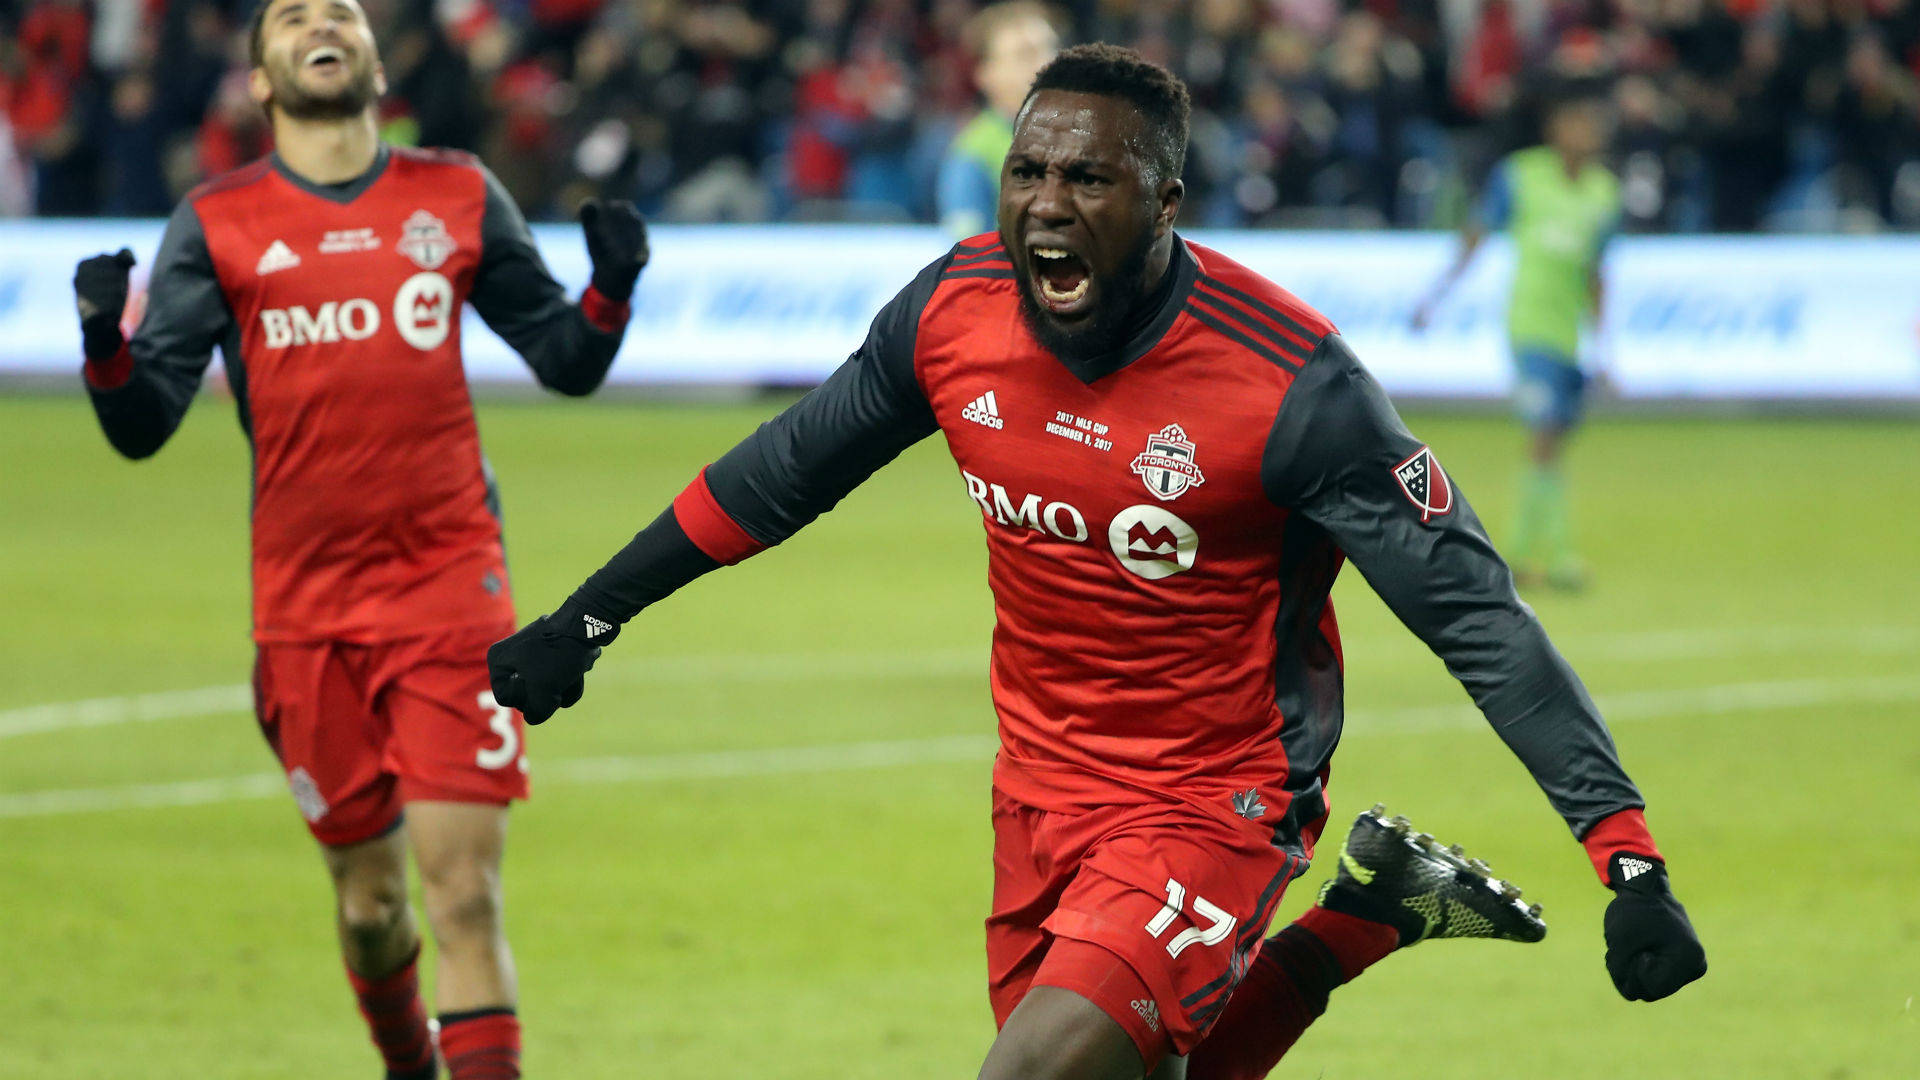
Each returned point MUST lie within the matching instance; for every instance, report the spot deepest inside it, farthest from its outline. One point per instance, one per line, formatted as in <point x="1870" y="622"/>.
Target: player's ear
<point x="1171" y="193"/>
<point x="259" y="88"/>
<point x="379" y="79"/>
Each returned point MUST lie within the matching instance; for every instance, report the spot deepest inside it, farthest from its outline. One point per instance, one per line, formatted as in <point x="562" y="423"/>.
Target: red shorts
<point x="1181" y="897"/>
<point x="364" y="729"/>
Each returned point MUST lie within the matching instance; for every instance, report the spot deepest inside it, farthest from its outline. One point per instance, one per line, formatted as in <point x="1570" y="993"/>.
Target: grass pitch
<point x="703" y="885"/>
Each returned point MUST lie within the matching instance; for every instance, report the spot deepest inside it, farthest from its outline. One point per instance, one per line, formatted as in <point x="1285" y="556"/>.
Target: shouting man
<point x="1172" y="457"/>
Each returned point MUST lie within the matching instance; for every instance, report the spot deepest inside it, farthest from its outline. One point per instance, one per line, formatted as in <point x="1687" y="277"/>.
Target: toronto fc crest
<point x="1166" y="466"/>
<point x="425" y="239"/>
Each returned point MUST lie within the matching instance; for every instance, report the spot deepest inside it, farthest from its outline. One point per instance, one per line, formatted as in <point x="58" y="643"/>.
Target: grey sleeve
<point x="186" y="316"/>
<point x="517" y="296"/>
<point x="801" y="463"/>
<point x="1340" y="455"/>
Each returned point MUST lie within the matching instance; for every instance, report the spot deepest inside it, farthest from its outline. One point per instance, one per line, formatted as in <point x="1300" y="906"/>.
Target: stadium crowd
<point x="1732" y="114"/>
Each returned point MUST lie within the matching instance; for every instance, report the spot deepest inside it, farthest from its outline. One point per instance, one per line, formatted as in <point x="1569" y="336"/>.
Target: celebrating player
<point x="332" y="275"/>
<point x="1172" y="458"/>
<point x="1562" y="207"/>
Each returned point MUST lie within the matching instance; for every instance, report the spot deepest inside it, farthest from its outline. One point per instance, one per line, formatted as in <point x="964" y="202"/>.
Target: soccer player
<point x="1172" y="458"/>
<point x="1561" y="206"/>
<point x="331" y="275"/>
<point x="1013" y="40"/>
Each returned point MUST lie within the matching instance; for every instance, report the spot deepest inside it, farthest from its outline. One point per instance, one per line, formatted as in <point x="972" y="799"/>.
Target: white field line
<point x="132" y="709"/>
<point x="741" y="668"/>
<point x="934" y="663"/>
<point x="1711" y="643"/>
<point x="1698" y="701"/>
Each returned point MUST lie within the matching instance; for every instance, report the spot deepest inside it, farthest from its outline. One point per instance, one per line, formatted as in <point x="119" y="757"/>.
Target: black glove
<point x="100" y="292"/>
<point x="617" y="244"/>
<point x="543" y="667"/>
<point x="1651" y="948"/>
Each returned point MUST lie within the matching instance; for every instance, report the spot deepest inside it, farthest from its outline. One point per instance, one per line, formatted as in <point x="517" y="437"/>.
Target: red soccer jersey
<point x="1164" y="524"/>
<point x="1133" y="556"/>
<point x="337" y="308"/>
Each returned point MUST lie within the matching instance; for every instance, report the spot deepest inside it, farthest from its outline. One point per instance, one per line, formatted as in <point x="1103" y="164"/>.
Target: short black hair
<point x="1159" y="95"/>
<point x="256" y="34"/>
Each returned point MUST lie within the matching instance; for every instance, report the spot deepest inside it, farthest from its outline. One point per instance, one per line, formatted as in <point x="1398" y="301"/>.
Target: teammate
<point x="331" y="275"/>
<point x="1562" y="207"/>
<point x="1013" y="40"/>
<point x="1172" y="458"/>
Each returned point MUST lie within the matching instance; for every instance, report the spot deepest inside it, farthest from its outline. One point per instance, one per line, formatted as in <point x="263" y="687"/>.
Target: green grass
<point x="816" y="924"/>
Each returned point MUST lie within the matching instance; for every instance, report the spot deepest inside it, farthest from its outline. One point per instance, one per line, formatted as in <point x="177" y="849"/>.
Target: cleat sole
<point x="1432" y="890"/>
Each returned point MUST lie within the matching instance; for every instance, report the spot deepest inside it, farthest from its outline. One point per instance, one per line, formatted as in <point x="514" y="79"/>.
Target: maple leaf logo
<point x="1248" y="805"/>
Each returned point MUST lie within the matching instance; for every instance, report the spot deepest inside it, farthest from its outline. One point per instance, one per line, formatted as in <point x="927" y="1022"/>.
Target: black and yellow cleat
<point x="1392" y="874"/>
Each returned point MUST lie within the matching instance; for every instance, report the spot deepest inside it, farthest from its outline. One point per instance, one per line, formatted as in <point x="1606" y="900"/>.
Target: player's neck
<point x="1574" y="164"/>
<point x="326" y="151"/>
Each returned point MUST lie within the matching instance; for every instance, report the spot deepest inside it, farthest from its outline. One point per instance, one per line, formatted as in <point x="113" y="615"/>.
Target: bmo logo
<point x="1150" y="542"/>
<point x="1057" y="518"/>
<point x="422" y="313"/>
<point x="336" y="320"/>
<point x="423" y="310"/>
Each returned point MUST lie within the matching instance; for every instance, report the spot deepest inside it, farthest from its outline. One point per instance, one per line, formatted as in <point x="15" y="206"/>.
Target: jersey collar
<point x="1169" y="298"/>
<point x="342" y="193"/>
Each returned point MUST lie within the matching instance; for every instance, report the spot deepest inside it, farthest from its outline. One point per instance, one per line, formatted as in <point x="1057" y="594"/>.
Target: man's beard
<point x="348" y="101"/>
<point x="1104" y="329"/>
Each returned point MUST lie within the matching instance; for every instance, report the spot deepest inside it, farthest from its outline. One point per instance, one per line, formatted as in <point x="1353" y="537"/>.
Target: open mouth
<point x="1062" y="278"/>
<point x="327" y="58"/>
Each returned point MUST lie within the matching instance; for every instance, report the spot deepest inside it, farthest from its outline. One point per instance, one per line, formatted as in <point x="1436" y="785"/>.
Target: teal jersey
<point x="968" y="190"/>
<point x="1560" y="227"/>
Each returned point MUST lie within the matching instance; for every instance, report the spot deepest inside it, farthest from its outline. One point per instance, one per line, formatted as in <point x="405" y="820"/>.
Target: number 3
<point x="1222" y="927"/>
<point x="501" y="721"/>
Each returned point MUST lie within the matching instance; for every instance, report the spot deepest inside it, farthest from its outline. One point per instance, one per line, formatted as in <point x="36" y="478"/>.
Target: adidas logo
<point x="984" y="411"/>
<point x="1633" y="868"/>
<point x="1149" y="1011"/>
<point x="596" y="627"/>
<point x="278" y="256"/>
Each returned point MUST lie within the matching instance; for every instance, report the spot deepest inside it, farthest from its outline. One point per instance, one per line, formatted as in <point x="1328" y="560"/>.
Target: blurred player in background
<point x="1172" y="457"/>
<point x="1562" y="206"/>
<point x="331" y="275"/>
<point x="1013" y="41"/>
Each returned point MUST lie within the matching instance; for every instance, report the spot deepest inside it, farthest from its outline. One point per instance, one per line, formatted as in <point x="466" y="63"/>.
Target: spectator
<point x="135" y="183"/>
<point x="1874" y="119"/>
<point x="48" y="101"/>
<point x="16" y="180"/>
<point x="234" y="132"/>
<point x="1734" y="114"/>
<point x="1278" y="152"/>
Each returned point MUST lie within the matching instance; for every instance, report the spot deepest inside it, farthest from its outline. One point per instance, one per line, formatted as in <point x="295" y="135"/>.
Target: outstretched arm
<point x="794" y="468"/>
<point x="1340" y="455"/>
<point x="568" y="345"/>
<point x="141" y="388"/>
<point x="1599" y="352"/>
<point x="1492" y="213"/>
